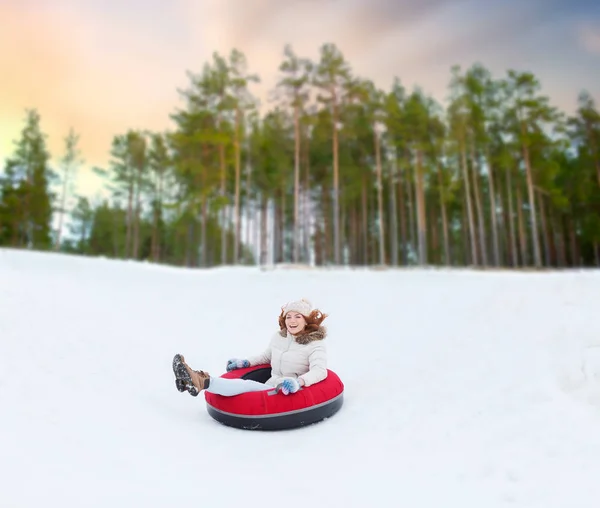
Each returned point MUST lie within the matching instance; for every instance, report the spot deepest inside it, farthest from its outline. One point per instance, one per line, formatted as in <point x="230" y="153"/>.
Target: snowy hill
<point x="463" y="389"/>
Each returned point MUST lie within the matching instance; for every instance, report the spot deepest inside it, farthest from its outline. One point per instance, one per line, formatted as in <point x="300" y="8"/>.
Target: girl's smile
<point x="295" y="322"/>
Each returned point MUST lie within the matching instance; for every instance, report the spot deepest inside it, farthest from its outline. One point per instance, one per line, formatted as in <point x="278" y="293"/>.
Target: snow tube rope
<point x="271" y="410"/>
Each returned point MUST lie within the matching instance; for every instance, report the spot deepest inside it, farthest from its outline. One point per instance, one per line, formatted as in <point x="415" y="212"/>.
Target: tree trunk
<point x="493" y="212"/>
<point x="357" y="231"/>
<point x="573" y="243"/>
<point x="154" y="239"/>
<point x="372" y="204"/>
<point x="403" y="226"/>
<point x="522" y="232"/>
<point x="129" y="217"/>
<point x="328" y="244"/>
<point x="249" y="205"/>
<point x="336" y="206"/>
<point x="379" y="197"/>
<point x="393" y="216"/>
<point x="545" y="234"/>
<point x="238" y="164"/>
<point x="411" y="216"/>
<point x="421" y="214"/>
<point x="115" y="237"/>
<point x="263" y="229"/>
<point x="204" y="243"/>
<point x="436" y="255"/>
<point x="467" y="252"/>
<point x="444" y="217"/>
<point x="282" y="224"/>
<point x="342" y="232"/>
<point x="365" y="225"/>
<point x="277" y="239"/>
<point x="479" y="207"/>
<point x="189" y="244"/>
<point x="296" y="235"/>
<point x="532" y="208"/>
<point x="559" y="232"/>
<point x="471" y="221"/>
<point x="136" y="227"/>
<point x="223" y="213"/>
<point x="559" y="238"/>
<point x="307" y="203"/>
<point x="63" y="200"/>
<point x="256" y="230"/>
<point x="514" y="254"/>
<point x="157" y="216"/>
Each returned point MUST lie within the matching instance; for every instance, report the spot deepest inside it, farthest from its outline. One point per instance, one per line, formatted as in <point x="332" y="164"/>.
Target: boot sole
<point x="183" y="381"/>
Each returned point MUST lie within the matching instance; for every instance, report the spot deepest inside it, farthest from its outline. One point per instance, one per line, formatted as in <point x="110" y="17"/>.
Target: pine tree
<point x="296" y="75"/>
<point x="332" y="75"/>
<point x="26" y="203"/>
<point x="69" y="164"/>
<point x="498" y="177"/>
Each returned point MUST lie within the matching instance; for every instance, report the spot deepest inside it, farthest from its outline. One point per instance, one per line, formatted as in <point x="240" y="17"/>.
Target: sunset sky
<point x="103" y="67"/>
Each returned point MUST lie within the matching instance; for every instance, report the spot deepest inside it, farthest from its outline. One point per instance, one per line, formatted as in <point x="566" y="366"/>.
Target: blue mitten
<point x="289" y="385"/>
<point x="234" y="363"/>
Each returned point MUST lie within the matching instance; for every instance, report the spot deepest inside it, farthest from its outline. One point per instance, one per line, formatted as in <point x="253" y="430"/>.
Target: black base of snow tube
<point x="294" y="420"/>
<point x="261" y="375"/>
<point x="282" y="420"/>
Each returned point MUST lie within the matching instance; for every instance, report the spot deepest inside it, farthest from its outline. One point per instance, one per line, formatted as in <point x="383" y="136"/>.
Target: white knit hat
<point x="302" y="306"/>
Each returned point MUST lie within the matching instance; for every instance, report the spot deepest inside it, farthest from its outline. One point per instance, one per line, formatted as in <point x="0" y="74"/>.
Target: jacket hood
<point x="305" y="338"/>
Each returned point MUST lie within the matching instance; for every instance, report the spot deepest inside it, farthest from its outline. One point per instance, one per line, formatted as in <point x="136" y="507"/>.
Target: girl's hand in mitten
<point x="234" y="363"/>
<point x="289" y="385"/>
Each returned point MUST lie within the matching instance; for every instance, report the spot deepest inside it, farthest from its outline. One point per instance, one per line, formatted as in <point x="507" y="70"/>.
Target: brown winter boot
<point x="194" y="381"/>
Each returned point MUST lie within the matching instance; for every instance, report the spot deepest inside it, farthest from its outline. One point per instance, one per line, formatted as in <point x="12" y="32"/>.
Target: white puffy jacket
<point x="302" y="357"/>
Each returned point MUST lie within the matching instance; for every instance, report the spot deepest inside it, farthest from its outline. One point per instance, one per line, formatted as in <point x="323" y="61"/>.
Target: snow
<point x="463" y="388"/>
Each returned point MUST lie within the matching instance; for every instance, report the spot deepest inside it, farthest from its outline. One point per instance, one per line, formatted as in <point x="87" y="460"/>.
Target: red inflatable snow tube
<point x="272" y="410"/>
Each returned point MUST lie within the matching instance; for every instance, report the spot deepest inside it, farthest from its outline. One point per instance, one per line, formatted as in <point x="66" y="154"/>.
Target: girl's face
<point x="295" y="322"/>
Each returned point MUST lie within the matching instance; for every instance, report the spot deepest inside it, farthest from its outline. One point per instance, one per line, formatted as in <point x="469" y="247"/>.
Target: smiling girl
<point x="296" y="353"/>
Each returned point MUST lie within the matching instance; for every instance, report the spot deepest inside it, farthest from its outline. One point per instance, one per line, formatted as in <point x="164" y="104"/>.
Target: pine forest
<point x="332" y="171"/>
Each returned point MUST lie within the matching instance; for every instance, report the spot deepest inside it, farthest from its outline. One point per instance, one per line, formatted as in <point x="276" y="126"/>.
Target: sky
<point x="102" y="67"/>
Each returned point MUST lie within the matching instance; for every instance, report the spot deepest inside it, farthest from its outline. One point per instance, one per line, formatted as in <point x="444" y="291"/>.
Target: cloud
<point x="307" y="23"/>
<point x="31" y="66"/>
<point x="418" y="41"/>
<point x="358" y="27"/>
<point x="92" y="71"/>
<point x="373" y="20"/>
<point x="105" y="67"/>
<point x="589" y="37"/>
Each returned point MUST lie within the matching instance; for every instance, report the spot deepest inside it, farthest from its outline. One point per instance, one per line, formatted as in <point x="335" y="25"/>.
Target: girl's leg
<point x="230" y="387"/>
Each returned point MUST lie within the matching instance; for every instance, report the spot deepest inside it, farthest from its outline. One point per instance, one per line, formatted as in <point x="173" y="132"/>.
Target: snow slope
<point x="463" y="389"/>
